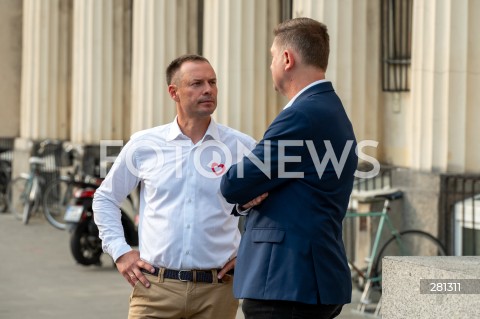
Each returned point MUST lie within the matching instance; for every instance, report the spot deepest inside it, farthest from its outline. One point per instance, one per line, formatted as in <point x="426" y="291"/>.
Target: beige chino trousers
<point x="175" y="299"/>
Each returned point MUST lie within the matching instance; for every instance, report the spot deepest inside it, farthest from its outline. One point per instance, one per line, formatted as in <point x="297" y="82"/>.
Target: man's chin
<point x="208" y="105"/>
<point x="208" y="110"/>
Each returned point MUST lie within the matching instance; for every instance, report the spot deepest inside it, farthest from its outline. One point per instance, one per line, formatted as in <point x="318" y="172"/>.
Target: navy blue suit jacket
<point x="292" y="247"/>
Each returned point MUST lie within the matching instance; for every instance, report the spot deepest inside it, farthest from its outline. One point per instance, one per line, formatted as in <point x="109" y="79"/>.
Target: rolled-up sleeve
<point x="121" y="180"/>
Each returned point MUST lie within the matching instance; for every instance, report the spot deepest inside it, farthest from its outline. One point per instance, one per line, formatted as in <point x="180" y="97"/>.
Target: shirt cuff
<point x="120" y="251"/>
<point x="242" y="212"/>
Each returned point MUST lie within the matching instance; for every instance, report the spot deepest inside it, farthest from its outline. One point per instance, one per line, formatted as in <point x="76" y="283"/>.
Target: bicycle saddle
<point x="384" y="193"/>
<point x="36" y="160"/>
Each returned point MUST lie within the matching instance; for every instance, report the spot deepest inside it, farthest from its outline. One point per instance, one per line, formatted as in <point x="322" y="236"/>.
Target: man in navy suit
<point x="291" y="262"/>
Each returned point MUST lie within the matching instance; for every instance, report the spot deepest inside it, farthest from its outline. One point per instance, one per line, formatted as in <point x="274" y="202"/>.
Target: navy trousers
<point x="278" y="309"/>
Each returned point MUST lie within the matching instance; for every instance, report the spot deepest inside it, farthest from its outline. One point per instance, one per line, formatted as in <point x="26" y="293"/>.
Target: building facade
<point x="408" y="72"/>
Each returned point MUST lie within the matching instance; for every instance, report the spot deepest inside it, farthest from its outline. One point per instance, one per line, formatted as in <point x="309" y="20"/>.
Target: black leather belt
<point x="188" y="275"/>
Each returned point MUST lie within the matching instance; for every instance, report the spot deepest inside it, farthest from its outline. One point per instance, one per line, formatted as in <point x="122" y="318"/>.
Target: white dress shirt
<point x="303" y="90"/>
<point x="185" y="223"/>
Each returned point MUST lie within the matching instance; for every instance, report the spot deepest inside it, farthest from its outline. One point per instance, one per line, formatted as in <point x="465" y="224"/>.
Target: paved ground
<point x="40" y="280"/>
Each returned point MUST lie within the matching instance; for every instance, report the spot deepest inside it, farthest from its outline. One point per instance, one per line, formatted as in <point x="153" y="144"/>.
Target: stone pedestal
<point x="403" y="297"/>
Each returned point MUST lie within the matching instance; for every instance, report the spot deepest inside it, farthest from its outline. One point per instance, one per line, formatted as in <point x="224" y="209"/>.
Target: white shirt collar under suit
<point x="301" y="91"/>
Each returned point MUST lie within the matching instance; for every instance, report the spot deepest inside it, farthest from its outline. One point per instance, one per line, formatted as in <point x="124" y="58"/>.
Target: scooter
<point x="85" y="243"/>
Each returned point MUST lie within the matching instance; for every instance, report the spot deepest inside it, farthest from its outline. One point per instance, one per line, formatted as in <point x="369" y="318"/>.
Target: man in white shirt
<point x="188" y="238"/>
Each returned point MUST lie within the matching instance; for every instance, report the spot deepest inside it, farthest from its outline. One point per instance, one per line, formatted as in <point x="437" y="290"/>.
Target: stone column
<point x="444" y="116"/>
<point x="45" y="76"/>
<point x="45" y="69"/>
<point x="237" y="40"/>
<point x="162" y="30"/>
<point x="11" y="66"/>
<point x="353" y="67"/>
<point x="98" y="103"/>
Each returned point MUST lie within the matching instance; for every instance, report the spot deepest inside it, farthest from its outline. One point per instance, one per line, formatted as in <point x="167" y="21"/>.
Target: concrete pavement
<point x="40" y="280"/>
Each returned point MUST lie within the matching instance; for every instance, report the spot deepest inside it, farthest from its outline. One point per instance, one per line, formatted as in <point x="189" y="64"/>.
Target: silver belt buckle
<point x="180" y="275"/>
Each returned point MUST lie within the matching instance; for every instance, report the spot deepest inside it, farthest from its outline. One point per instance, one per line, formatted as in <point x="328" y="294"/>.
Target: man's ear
<point x="288" y="60"/>
<point x="172" y="90"/>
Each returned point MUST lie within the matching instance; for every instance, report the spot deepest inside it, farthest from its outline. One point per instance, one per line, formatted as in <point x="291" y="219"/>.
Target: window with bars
<point x="286" y="10"/>
<point x="396" y="44"/>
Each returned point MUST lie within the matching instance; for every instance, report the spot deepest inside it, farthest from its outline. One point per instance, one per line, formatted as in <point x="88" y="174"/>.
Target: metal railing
<point x="382" y="180"/>
<point x="459" y="195"/>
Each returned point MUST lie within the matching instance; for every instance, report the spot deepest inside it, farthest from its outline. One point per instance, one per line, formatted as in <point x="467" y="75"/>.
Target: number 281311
<point x="445" y="287"/>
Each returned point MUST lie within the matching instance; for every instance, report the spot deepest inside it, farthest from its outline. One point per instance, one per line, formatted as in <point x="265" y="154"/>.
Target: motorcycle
<point x="85" y="243"/>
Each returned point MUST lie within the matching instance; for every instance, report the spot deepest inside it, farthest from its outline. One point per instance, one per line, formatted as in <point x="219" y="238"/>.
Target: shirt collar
<point x="303" y="90"/>
<point x="212" y="130"/>
<point x="176" y="133"/>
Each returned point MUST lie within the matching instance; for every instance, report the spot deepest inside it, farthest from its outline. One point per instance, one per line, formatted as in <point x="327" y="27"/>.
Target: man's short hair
<point x="308" y="37"/>
<point x="175" y="65"/>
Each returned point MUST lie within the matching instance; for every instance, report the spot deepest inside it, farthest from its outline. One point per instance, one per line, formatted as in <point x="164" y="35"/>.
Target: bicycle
<point x="59" y="192"/>
<point x="5" y="176"/>
<point x="24" y="193"/>
<point x="28" y="186"/>
<point x="401" y="243"/>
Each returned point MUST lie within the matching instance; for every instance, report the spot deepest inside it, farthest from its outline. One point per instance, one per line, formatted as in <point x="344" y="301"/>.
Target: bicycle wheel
<point x="17" y="196"/>
<point x="3" y="203"/>
<point x="31" y="204"/>
<point x="4" y="181"/>
<point x="27" y="211"/>
<point x="413" y="243"/>
<point x="55" y="200"/>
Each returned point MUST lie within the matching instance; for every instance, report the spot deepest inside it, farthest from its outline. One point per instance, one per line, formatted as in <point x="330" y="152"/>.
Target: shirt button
<point x="188" y="226"/>
<point x="189" y="200"/>
<point x="187" y="252"/>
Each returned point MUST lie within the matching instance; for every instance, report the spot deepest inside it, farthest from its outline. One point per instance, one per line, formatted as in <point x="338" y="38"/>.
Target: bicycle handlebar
<point x="47" y="142"/>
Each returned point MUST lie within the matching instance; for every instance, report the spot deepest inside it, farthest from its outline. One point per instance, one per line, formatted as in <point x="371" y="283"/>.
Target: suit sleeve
<point x="280" y="150"/>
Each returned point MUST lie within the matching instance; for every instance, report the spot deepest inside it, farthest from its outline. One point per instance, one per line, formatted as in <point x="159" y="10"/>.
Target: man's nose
<point x="208" y="88"/>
